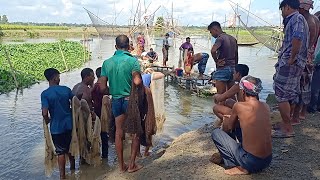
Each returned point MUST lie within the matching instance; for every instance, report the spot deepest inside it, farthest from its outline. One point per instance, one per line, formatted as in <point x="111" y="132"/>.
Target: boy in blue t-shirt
<point x="56" y="101"/>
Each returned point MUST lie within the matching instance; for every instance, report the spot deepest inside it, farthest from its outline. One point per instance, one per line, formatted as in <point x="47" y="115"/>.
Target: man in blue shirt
<point x="292" y="60"/>
<point x="56" y="101"/>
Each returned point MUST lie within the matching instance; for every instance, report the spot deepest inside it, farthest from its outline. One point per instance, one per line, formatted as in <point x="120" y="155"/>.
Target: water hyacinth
<point x="30" y="60"/>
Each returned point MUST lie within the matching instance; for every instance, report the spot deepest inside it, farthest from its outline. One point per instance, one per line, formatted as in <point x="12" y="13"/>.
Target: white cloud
<point x="188" y="12"/>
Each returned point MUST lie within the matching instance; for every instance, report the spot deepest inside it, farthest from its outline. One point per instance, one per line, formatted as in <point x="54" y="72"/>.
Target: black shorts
<point x="62" y="142"/>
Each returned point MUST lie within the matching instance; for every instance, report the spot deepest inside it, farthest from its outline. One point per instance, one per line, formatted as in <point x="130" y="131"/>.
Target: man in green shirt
<point x="120" y="70"/>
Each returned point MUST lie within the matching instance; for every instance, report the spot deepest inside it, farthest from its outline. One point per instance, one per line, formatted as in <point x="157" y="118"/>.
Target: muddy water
<point x="21" y="132"/>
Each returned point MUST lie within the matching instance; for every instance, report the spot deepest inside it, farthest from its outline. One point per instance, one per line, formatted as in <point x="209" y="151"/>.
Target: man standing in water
<point x="225" y="55"/>
<point x="291" y="63"/>
<point x="56" y="101"/>
<point x="165" y="49"/>
<point x="254" y="153"/>
<point x="121" y="70"/>
<point x="305" y="96"/>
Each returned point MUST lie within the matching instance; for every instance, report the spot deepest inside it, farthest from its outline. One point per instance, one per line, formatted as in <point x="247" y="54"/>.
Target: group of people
<point x="188" y="56"/>
<point x="121" y="72"/>
<point x="243" y="133"/>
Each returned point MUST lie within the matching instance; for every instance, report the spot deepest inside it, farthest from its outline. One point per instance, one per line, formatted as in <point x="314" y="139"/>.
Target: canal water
<point x="22" y="140"/>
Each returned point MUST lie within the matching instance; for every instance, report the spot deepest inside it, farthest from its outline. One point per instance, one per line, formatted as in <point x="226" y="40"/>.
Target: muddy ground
<point x="188" y="157"/>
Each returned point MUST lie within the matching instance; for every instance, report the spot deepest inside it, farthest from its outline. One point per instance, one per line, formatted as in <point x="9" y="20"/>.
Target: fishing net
<point x="74" y="146"/>
<point x="150" y="124"/>
<point x="157" y="90"/>
<point x="133" y="124"/>
<point x="266" y="33"/>
<point x="106" y="114"/>
<point x="89" y="137"/>
<point x="102" y="27"/>
<point x="50" y="158"/>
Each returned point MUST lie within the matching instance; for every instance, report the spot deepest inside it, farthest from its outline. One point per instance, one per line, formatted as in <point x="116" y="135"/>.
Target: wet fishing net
<point x="133" y="123"/>
<point x="266" y="33"/>
<point x="74" y="146"/>
<point x="106" y="114"/>
<point x="88" y="135"/>
<point x="157" y="90"/>
<point x="150" y="124"/>
<point x="50" y="158"/>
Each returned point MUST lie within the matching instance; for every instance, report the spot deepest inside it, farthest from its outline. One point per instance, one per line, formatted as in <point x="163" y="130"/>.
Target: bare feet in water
<point x="216" y="158"/>
<point x="236" y="171"/>
<point x="135" y="168"/>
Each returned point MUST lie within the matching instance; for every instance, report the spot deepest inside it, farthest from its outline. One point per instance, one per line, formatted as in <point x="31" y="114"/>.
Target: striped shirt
<point x="295" y="26"/>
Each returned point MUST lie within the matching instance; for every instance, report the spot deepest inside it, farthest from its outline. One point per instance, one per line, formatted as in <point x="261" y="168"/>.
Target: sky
<point x="186" y="12"/>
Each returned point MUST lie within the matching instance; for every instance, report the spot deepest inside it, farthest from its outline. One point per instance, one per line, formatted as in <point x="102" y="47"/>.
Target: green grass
<point x="31" y="27"/>
<point x="30" y="60"/>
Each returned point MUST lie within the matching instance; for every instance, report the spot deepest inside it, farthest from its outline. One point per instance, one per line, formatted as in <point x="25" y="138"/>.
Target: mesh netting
<point x="157" y="90"/>
<point x="102" y="27"/>
<point x="266" y="33"/>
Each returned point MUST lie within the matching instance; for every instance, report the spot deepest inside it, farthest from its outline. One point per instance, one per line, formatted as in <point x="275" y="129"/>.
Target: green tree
<point x="159" y="24"/>
<point x="4" y="19"/>
<point x="0" y="19"/>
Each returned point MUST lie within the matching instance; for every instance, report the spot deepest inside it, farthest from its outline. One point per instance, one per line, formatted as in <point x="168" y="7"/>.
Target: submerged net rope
<point x="157" y="90"/>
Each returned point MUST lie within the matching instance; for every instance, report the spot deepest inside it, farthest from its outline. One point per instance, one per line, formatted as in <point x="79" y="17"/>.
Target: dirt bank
<point x="187" y="157"/>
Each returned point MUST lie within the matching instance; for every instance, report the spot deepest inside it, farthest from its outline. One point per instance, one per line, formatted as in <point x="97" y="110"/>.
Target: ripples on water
<point x="22" y="148"/>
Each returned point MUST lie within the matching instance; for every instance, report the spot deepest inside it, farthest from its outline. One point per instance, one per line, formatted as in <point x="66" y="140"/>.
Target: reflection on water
<point x="22" y="148"/>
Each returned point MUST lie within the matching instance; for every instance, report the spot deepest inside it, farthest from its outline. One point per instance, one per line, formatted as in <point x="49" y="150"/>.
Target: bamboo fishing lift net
<point x="268" y="34"/>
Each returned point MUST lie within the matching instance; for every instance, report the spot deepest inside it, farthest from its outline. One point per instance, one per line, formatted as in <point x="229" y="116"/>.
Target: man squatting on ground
<point x="254" y="152"/>
<point x="231" y="96"/>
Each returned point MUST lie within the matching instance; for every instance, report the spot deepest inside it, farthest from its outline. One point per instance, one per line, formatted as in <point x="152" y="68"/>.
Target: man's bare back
<point x="254" y="118"/>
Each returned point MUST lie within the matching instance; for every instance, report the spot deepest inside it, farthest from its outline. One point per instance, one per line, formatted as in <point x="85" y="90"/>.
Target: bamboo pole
<point x="64" y="59"/>
<point x="84" y="48"/>
<point x="11" y="67"/>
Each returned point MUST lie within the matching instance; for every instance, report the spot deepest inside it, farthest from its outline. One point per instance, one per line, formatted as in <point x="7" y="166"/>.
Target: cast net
<point x="157" y="90"/>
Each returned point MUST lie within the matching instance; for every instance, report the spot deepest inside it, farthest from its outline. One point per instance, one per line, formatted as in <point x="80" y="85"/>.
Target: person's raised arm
<point x="229" y="122"/>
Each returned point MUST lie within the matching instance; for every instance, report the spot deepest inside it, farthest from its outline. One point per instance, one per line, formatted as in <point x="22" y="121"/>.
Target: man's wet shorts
<point x="223" y="74"/>
<point x="119" y="106"/>
<point x="62" y="142"/>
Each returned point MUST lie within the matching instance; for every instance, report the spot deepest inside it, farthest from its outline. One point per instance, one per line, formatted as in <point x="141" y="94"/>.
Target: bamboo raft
<point x="193" y="83"/>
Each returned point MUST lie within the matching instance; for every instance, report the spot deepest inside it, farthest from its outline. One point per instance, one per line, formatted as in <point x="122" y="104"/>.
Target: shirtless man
<point x="305" y="96"/>
<point x="228" y="97"/>
<point x="254" y="153"/>
<point x="225" y="54"/>
<point x="83" y="89"/>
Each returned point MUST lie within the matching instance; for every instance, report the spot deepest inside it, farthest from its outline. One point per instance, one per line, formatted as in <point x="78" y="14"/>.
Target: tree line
<point x="4" y="19"/>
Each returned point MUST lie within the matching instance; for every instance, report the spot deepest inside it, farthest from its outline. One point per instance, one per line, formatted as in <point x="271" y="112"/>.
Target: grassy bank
<point x="30" y="60"/>
<point x="32" y="31"/>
